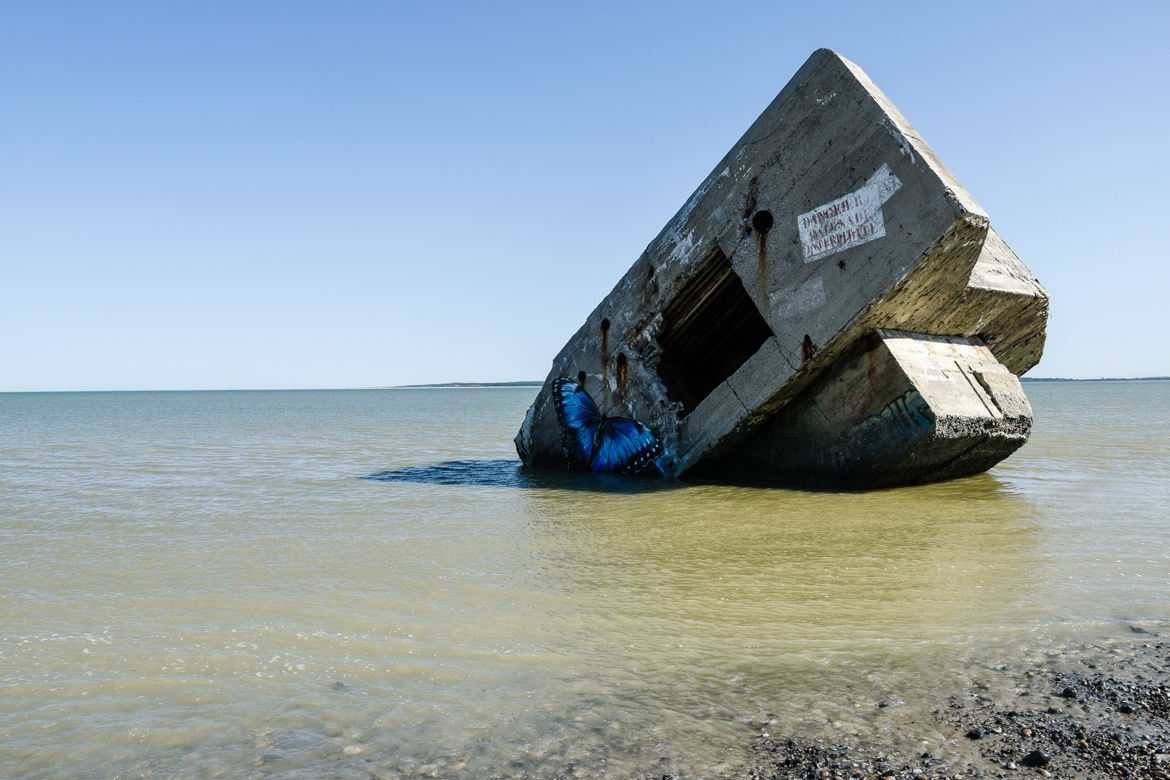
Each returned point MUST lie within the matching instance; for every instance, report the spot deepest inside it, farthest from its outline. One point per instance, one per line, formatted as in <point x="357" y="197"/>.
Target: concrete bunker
<point x="830" y="307"/>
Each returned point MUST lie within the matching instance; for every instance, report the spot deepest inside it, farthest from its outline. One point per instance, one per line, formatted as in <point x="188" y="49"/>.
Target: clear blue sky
<point x="340" y="194"/>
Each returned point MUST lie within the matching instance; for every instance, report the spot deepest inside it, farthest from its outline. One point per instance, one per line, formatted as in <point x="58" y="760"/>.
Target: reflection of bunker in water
<point x="829" y="307"/>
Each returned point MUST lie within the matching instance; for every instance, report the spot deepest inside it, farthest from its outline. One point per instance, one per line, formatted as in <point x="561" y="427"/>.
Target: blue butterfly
<point x="598" y="443"/>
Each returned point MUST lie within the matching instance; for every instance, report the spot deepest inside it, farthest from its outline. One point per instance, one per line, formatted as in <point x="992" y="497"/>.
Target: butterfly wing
<point x="624" y="446"/>
<point x="579" y="419"/>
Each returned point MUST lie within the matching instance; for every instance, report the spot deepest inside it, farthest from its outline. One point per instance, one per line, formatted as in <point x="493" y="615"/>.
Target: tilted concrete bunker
<point x="830" y="307"/>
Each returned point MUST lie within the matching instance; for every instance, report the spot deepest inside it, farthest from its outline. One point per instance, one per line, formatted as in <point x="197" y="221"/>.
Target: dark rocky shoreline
<point x="1101" y="712"/>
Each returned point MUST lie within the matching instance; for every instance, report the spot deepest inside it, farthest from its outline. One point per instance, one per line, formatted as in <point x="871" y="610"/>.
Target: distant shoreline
<point x="464" y="385"/>
<point x="1095" y="379"/>
<point x="490" y="385"/>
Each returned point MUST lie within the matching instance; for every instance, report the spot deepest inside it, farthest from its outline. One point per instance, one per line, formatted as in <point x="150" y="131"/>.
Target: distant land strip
<point x="468" y="384"/>
<point x="1097" y="379"/>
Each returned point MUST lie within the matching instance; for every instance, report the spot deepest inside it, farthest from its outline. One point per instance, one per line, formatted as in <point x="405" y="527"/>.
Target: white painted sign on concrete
<point x="849" y="221"/>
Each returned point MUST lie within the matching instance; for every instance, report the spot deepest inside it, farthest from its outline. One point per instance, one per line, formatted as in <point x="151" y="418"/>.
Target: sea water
<point x="365" y="583"/>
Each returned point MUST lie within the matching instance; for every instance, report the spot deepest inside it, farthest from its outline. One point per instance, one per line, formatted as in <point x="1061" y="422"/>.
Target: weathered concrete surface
<point x="899" y="408"/>
<point x="828" y="226"/>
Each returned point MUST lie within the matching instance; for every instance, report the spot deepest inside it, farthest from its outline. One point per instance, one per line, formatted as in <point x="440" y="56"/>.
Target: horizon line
<point x="482" y="385"/>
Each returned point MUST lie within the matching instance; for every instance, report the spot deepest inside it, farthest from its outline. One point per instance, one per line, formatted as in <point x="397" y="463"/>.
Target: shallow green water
<point x="363" y="582"/>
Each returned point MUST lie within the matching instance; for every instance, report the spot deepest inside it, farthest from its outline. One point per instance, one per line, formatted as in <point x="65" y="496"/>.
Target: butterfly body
<point x="596" y="442"/>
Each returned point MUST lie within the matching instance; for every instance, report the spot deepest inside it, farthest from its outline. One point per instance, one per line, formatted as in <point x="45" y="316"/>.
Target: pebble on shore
<point x="1118" y="728"/>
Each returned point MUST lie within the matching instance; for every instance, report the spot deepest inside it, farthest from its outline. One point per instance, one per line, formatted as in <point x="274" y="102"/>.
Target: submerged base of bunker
<point x="830" y="307"/>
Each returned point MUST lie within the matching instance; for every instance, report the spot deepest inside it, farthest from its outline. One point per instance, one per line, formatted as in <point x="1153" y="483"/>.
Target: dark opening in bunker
<point x="708" y="331"/>
<point x="762" y="221"/>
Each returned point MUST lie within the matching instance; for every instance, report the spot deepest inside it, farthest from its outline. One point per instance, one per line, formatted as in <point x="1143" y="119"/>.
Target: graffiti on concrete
<point x="899" y="425"/>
